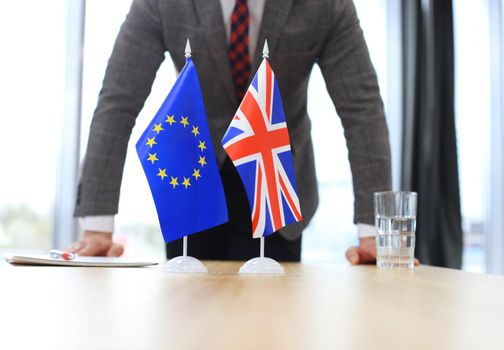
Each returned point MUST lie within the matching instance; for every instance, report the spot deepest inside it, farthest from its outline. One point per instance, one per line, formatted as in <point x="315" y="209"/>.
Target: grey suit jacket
<point x="300" y="33"/>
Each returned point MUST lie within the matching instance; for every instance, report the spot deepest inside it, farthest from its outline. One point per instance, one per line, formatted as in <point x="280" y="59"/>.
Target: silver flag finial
<point x="188" y="49"/>
<point x="265" y="49"/>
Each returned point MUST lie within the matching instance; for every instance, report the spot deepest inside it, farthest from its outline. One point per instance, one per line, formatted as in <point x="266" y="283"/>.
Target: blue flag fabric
<point x="179" y="162"/>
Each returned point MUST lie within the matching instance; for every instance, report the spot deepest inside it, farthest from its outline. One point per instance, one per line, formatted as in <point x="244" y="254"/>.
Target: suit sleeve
<point x="353" y="87"/>
<point x="136" y="56"/>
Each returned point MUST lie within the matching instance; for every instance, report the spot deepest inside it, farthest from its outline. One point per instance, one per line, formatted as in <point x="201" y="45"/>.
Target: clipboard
<point x="81" y="261"/>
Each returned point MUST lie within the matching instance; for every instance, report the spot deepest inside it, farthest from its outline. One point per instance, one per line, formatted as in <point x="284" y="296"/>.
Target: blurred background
<point x="52" y="65"/>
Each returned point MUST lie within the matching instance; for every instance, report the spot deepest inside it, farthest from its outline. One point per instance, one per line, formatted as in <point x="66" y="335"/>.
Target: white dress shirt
<point x="105" y="223"/>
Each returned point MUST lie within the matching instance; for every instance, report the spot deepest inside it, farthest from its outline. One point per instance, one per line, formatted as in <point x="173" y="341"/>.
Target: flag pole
<point x="187" y="54"/>
<point x="184" y="263"/>
<point x="265" y="56"/>
<point x="187" y="50"/>
<point x="265" y="49"/>
<point x="184" y="251"/>
<point x="262" y="265"/>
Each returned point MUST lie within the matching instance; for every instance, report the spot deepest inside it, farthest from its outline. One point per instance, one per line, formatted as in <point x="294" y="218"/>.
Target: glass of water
<point x="395" y="221"/>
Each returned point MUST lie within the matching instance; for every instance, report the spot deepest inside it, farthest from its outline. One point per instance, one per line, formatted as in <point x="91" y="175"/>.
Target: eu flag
<point x="178" y="159"/>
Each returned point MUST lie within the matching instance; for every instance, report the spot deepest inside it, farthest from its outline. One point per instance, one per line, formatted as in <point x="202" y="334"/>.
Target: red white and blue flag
<point x="257" y="141"/>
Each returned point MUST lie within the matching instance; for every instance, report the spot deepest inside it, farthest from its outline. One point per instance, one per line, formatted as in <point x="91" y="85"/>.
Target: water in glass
<point x="395" y="242"/>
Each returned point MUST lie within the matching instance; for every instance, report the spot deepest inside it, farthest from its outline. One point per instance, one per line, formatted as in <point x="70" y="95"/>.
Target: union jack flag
<point x="257" y="141"/>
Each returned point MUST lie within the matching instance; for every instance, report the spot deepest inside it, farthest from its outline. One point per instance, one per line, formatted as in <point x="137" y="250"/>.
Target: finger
<point x="75" y="247"/>
<point x="90" y="250"/>
<point x="366" y="256"/>
<point x="359" y="255"/>
<point x="417" y="262"/>
<point x="115" y="250"/>
<point x="86" y="251"/>
<point x="352" y="255"/>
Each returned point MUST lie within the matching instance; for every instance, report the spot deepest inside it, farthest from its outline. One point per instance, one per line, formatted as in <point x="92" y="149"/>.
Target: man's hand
<point x="96" y="244"/>
<point x="365" y="252"/>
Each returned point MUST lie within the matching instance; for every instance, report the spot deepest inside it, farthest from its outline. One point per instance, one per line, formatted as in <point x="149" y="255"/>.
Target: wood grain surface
<point x="310" y="307"/>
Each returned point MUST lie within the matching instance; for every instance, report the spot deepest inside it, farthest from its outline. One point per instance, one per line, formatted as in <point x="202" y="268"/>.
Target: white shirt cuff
<point x="365" y="230"/>
<point x="98" y="223"/>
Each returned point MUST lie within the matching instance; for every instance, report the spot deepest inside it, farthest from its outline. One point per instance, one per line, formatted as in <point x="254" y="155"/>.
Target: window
<point x="31" y="86"/>
<point x="472" y="108"/>
<point x="332" y="230"/>
<point x="138" y="229"/>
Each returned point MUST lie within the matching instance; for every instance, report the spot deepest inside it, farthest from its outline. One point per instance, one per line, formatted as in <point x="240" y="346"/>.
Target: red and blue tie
<point x="239" y="47"/>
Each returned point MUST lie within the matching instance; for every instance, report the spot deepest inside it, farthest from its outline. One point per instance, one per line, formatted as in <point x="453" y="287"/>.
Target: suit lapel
<point x="210" y="16"/>
<point x="275" y="15"/>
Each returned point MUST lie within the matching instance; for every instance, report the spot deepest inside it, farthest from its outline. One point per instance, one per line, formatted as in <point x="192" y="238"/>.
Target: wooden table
<point x="311" y="307"/>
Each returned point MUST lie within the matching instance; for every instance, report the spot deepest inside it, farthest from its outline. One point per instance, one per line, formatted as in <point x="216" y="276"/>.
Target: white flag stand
<point x="262" y="265"/>
<point x="184" y="263"/>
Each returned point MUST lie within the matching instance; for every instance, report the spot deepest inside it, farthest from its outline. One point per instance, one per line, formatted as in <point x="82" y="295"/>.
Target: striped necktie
<point x="239" y="47"/>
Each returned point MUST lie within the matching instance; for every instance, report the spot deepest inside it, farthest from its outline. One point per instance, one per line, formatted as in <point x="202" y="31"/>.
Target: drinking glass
<point x="395" y="221"/>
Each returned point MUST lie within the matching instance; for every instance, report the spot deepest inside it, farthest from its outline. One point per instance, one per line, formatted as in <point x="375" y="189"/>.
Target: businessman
<point x="226" y="38"/>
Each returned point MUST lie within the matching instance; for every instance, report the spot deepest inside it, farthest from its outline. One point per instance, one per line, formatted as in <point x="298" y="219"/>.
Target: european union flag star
<point x="158" y="128"/>
<point x="162" y="173"/>
<point x="174" y="182"/>
<point x="170" y="119"/>
<point x="184" y="121"/>
<point x="151" y="141"/>
<point x="152" y="158"/>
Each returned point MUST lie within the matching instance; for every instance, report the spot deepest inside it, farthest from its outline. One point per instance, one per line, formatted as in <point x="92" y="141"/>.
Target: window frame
<point x="65" y="225"/>
<point x="494" y="247"/>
